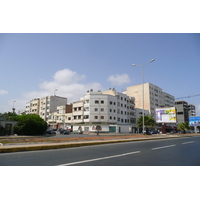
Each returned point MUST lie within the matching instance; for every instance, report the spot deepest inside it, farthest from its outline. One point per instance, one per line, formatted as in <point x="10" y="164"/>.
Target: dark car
<point x="49" y="132"/>
<point x="153" y="132"/>
<point x="173" y="132"/>
<point x="65" y="132"/>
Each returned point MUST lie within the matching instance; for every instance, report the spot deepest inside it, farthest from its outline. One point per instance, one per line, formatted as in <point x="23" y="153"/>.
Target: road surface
<point x="163" y="152"/>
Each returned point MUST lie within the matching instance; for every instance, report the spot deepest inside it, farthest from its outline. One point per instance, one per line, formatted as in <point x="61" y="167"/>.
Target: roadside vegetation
<point x="149" y="122"/>
<point x="184" y="127"/>
<point x="29" y="125"/>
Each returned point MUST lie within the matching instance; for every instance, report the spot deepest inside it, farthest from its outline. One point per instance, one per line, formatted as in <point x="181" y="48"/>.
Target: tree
<point x="183" y="127"/>
<point x="149" y="121"/>
<point x="8" y="115"/>
<point x="29" y="125"/>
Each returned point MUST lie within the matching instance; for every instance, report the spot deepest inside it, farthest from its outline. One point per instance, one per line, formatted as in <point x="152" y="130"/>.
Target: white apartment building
<point x="49" y="105"/>
<point x="27" y="109"/>
<point x="108" y="111"/>
<point x="154" y="97"/>
<point x="34" y="106"/>
<point x="45" y="106"/>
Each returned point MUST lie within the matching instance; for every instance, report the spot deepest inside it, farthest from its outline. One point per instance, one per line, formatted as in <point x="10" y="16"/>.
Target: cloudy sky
<point x="35" y="65"/>
<point x="92" y="49"/>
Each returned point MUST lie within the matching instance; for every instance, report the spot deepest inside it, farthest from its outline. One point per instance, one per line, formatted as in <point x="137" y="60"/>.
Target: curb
<point x="34" y="147"/>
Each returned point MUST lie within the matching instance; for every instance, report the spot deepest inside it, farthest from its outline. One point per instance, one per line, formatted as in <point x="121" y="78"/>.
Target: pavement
<point x="68" y="144"/>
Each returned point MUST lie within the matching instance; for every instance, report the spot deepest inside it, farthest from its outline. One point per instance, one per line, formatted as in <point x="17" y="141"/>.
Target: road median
<point x="60" y="145"/>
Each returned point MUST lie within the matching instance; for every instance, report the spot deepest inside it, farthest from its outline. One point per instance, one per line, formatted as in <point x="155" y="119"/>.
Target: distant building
<point x="44" y="106"/>
<point x="154" y="97"/>
<point x="49" y="105"/>
<point x="184" y="111"/>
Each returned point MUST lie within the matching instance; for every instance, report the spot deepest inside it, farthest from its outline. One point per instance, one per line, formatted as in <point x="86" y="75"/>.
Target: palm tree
<point x="149" y="121"/>
<point x="183" y="126"/>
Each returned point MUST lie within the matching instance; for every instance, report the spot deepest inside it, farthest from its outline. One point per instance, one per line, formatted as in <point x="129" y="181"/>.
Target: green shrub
<point x="30" y="125"/>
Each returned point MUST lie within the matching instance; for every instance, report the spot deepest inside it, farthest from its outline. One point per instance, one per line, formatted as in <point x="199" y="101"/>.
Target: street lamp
<point x="143" y="91"/>
<point x="13" y="106"/>
<point x="55" y="91"/>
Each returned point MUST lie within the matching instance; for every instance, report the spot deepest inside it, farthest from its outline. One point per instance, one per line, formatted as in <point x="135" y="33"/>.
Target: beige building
<point x="154" y="97"/>
<point x="49" y="105"/>
<point x="34" y="106"/>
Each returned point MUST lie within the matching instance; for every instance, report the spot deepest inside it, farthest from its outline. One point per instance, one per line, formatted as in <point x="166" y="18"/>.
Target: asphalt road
<point x="167" y="152"/>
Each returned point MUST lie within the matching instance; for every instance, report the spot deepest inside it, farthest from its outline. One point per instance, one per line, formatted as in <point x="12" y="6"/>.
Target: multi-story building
<point x="108" y="111"/>
<point x="191" y="110"/>
<point x="49" y="105"/>
<point x="27" y="109"/>
<point x="34" y="106"/>
<point x="154" y="97"/>
<point x="184" y="111"/>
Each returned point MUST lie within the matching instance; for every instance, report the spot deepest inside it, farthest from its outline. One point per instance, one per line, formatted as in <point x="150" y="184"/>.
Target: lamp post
<point x="13" y="107"/>
<point x="54" y="105"/>
<point x="143" y="91"/>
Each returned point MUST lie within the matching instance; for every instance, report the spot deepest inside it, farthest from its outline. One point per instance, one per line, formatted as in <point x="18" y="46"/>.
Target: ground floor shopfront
<point x="105" y="128"/>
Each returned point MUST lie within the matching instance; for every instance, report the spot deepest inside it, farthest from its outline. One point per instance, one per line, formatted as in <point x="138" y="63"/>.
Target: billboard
<point x="166" y="115"/>
<point x="194" y="121"/>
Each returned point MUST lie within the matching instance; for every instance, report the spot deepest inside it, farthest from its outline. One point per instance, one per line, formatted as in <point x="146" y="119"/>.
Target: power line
<point x="187" y="96"/>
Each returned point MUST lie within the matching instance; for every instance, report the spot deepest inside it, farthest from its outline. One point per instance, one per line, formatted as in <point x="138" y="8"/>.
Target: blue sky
<point x="34" y="65"/>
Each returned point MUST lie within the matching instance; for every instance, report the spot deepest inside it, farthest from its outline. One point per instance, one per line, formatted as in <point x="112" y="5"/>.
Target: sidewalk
<point x="68" y="144"/>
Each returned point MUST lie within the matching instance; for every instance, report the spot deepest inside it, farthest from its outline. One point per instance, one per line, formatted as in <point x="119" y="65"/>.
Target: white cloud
<point x="119" y="80"/>
<point x="66" y="81"/>
<point x="2" y="92"/>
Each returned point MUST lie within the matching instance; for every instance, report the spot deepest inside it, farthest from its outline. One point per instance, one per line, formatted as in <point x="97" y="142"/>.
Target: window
<point x="110" y="117"/>
<point x="102" y="102"/>
<point x="96" y="109"/>
<point x="95" y="117"/>
<point x="102" y="117"/>
<point x="69" y="118"/>
<point x="96" y="101"/>
<point x="110" y="102"/>
<point x="110" y="110"/>
<point x="102" y="109"/>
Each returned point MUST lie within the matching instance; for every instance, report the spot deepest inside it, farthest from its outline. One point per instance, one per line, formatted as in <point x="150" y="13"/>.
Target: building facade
<point x="154" y="97"/>
<point x="184" y="111"/>
<point x="108" y="111"/>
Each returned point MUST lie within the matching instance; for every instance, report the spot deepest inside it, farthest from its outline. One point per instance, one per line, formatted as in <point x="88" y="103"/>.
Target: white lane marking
<point x="163" y="147"/>
<point x="187" y="142"/>
<point x="84" y="161"/>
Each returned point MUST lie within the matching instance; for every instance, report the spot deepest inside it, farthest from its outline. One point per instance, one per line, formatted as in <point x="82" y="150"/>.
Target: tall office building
<point x="154" y="97"/>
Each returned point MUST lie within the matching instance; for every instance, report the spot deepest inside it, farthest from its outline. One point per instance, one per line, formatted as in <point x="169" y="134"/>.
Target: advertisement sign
<point x="166" y="115"/>
<point x="194" y="121"/>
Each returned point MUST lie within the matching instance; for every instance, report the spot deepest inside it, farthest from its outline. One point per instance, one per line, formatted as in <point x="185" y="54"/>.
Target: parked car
<point x="153" y="132"/>
<point x="66" y="132"/>
<point x="49" y="132"/>
<point x="173" y="132"/>
<point x="78" y="132"/>
<point x="63" y="131"/>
